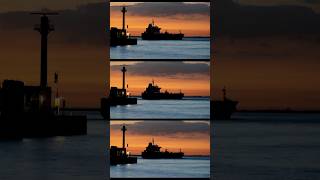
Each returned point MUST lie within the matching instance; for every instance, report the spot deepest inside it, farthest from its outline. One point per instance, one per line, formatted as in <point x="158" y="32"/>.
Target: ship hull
<point x="222" y="110"/>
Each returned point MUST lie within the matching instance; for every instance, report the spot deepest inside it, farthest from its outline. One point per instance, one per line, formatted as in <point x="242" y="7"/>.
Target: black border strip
<point x="159" y="60"/>
<point x="160" y="178"/>
<point x="159" y="1"/>
<point x="159" y="119"/>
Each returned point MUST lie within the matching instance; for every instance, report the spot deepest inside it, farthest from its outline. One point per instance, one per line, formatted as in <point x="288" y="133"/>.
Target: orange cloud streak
<point x="198" y="85"/>
<point x="197" y="25"/>
<point x="137" y="143"/>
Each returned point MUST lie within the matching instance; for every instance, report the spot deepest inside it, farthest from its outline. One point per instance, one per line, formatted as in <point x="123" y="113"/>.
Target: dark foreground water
<point x="188" y="108"/>
<point x="188" y="48"/>
<point x="266" y="146"/>
<point x="58" y="158"/>
<point x="253" y="146"/>
<point x="195" y="167"/>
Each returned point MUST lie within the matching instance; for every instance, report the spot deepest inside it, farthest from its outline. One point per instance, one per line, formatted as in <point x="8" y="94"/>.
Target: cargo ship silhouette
<point x="223" y="109"/>
<point x="153" y="92"/>
<point x="153" y="33"/>
<point x="152" y="151"/>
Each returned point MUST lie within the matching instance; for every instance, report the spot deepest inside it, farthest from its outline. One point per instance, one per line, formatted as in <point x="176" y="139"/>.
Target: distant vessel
<point x="152" y="92"/>
<point x="120" y="37"/>
<point x="152" y="151"/>
<point x="153" y="33"/>
<point x="223" y="109"/>
<point x="121" y="155"/>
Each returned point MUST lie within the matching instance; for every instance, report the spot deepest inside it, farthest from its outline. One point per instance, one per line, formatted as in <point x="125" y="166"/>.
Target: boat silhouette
<point x="153" y="32"/>
<point x="223" y="109"/>
<point x="152" y="151"/>
<point x="153" y="92"/>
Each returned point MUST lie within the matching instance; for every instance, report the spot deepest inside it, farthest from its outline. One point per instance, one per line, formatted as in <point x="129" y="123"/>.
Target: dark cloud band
<point x="156" y="9"/>
<point x="166" y="68"/>
<point x="168" y="128"/>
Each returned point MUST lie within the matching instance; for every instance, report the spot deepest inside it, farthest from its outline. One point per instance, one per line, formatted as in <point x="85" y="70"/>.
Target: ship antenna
<point x="152" y="141"/>
<point x="152" y="22"/>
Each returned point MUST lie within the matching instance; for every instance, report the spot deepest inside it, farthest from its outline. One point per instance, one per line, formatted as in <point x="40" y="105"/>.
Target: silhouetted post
<point x="124" y="10"/>
<point x="124" y="70"/>
<point x="224" y="90"/>
<point x="44" y="28"/>
<point x="123" y="129"/>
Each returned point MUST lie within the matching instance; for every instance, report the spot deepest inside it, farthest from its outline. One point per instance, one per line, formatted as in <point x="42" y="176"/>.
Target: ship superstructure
<point x="223" y="109"/>
<point x="153" y="32"/>
<point x="152" y="151"/>
<point x="153" y="92"/>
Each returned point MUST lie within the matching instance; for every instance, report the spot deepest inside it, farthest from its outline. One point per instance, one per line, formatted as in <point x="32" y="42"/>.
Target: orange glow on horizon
<point x="198" y="85"/>
<point x="197" y="25"/>
<point x="198" y="145"/>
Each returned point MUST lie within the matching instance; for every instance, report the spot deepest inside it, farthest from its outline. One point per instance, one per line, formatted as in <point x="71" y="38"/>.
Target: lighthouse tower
<point x="124" y="10"/>
<point x="124" y="70"/>
<point x="123" y="129"/>
<point x="44" y="29"/>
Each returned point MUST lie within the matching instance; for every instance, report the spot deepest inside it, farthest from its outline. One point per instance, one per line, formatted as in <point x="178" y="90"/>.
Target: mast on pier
<point x="124" y="70"/>
<point x="44" y="29"/>
<point x="124" y="10"/>
<point x="123" y="129"/>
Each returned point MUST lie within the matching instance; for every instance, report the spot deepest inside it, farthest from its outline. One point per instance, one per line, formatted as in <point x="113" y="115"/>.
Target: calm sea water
<point x="196" y="167"/>
<point x="264" y="146"/>
<point x="58" y="158"/>
<point x="253" y="146"/>
<point x="188" y="48"/>
<point x="188" y="108"/>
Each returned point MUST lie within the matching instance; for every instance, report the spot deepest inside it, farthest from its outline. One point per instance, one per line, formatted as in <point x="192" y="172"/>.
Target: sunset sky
<point x="193" y="19"/>
<point x="192" y="78"/>
<point x="192" y="137"/>
<point x="76" y="48"/>
<point x="266" y="54"/>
